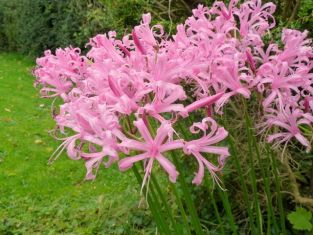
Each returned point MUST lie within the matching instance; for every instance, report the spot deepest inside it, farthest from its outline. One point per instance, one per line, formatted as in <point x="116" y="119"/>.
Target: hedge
<point x="31" y="26"/>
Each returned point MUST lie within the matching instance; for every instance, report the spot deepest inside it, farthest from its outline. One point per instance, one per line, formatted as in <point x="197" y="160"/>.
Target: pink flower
<point x="229" y="77"/>
<point x="152" y="149"/>
<point x="166" y="94"/>
<point x="58" y="73"/>
<point x="95" y="125"/>
<point x="205" y="145"/>
<point x="288" y="120"/>
<point x="297" y="47"/>
<point x="267" y="55"/>
<point x="123" y="96"/>
<point x="282" y="82"/>
<point x="147" y="75"/>
<point x="200" y="11"/>
<point x="220" y="8"/>
<point x="103" y="47"/>
<point x="255" y="18"/>
<point x="144" y="32"/>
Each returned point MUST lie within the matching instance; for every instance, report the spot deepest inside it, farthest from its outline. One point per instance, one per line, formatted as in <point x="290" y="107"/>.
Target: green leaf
<point x="301" y="219"/>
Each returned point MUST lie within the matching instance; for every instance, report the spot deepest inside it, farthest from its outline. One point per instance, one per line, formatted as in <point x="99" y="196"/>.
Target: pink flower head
<point x="144" y="32"/>
<point x="166" y="94"/>
<point x="103" y="47"/>
<point x="229" y="77"/>
<point x="281" y="80"/>
<point x="206" y="145"/>
<point x="297" y="46"/>
<point x="146" y="75"/>
<point x="95" y="125"/>
<point x="123" y="96"/>
<point x="200" y="11"/>
<point x="255" y="18"/>
<point x="152" y="149"/>
<point x="226" y="12"/>
<point x="288" y="120"/>
<point x="57" y="73"/>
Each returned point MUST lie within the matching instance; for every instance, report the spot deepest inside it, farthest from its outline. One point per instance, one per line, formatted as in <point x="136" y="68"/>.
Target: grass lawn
<point x="36" y="198"/>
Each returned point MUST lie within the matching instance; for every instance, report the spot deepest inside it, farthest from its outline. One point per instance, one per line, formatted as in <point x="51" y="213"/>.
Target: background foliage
<point x="31" y="26"/>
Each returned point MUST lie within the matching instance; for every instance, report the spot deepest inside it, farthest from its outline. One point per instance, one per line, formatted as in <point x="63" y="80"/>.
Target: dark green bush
<point x="31" y="26"/>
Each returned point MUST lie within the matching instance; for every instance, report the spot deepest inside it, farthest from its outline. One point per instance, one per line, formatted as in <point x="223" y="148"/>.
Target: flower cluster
<point x="116" y="95"/>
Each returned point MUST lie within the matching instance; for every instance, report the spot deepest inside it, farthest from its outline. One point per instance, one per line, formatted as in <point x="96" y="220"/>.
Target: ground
<point x="37" y="198"/>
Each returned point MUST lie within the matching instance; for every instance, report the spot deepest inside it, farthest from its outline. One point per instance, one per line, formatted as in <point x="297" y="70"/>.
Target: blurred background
<point x="31" y="26"/>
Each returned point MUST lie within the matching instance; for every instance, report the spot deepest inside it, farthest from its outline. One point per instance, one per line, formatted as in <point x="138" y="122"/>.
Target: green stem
<point x="265" y="176"/>
<point x="227" y="207"/>
<point x="154" y="205"/>
<point x="182" y="209"/>
<point x="216" y="212"/>
<point x="278" y="190"/>
<point x="252" y="174"/>
<point x="165" y="203"/>
<point x="243" y="184"/>
<point x="190" y="205"/>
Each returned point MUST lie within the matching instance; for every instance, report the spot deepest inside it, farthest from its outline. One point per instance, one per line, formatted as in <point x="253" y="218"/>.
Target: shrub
<point x="31" y="26"/>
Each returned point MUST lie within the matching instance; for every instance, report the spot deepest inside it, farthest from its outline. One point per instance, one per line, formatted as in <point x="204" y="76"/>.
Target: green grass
<point x="36" y="198"/>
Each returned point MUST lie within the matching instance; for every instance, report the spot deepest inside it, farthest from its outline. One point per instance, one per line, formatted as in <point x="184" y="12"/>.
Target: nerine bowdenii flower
<point x="122" y="89"/>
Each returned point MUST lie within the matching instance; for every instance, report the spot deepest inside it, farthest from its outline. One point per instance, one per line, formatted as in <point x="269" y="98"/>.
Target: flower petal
<point x="128" y="162"/>
<point x="203" y="102"/>
<point x="142" y="128"/>
<point x="168" y="167"/>
<point x="216" y="150"/>
<point x="303" y="141"/>
<point x="200" y="174"/>
<point x="133" y="144"/>
<point x="176" y="144"/>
